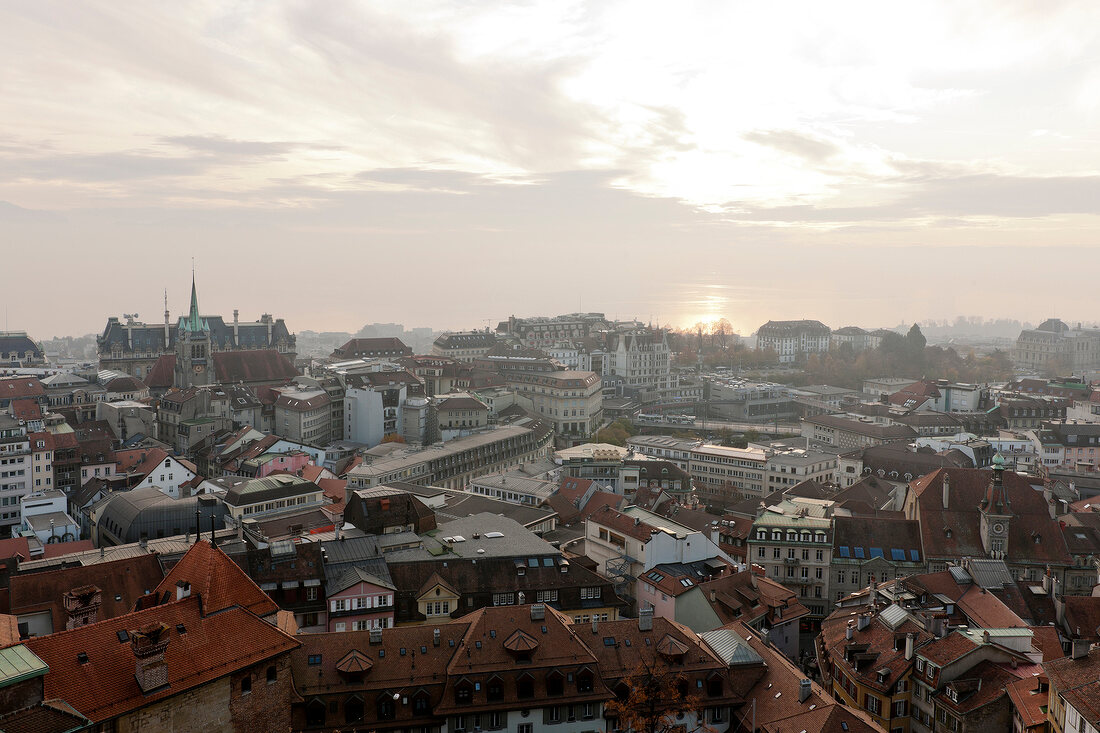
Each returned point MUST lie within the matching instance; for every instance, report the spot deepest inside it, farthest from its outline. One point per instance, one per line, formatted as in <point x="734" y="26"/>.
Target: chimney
<point x="148" y="644"/>
<point x="82" y="604"/>
<point x="645" y="619"/>
<point x="595" y="626"/>
<point x="910" y="640"/>
<point x="1046" y="580"/>
<point x="338" y="531"/>
<point x="863" y="621"/>
<point x="236" y="337"/>
<point x="522" y="598"/>
<point x="435" y="637"/>
<point x="713" y="596"/>
<point x="849" y="631"/>
<point x="804" y="688"/>
<point x="946" y="489"/>
<point x="985" y="636"/>
<point x="538" y="612"/>
<point x="375" y="636"/>
<point x="183" y="590"/>
<point x="1079" y="649"/>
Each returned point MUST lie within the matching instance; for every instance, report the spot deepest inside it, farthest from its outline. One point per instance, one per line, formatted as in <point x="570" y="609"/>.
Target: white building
<point x="45" y="514"/>
<point x="15" y="472"/>
<point x="626" y="544"/>
<point x="722" y="474"/>
<point x="793" y="341"/>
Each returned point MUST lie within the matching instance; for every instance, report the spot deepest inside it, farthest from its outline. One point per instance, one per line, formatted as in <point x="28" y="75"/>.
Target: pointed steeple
<point x="194" y="321"/>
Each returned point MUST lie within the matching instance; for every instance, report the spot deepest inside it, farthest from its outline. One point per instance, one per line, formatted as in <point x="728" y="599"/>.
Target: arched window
<point x="384" y="708"/>
<point x="714" y="685"/>
<point x="315" y="713"/>
<point x="464" y="692"/>
<point x="354" y="709"/>
<point x="525" y="686"/>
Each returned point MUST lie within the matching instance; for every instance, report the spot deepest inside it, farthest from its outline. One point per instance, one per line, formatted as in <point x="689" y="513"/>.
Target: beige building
<point x="304" y="416"/>
<point x="461" y="412"/>
<point x="723" y="475"/>
<point x="453" y="464"/>
<point x="573" y="401"/>
<point x="465" y="345"/>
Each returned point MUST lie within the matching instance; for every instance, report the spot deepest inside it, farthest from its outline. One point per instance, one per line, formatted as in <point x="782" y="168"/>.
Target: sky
<point x="449" y="164"/>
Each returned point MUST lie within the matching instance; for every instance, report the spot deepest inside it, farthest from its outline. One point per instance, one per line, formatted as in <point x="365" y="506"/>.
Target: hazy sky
<point x="450" y="163"/>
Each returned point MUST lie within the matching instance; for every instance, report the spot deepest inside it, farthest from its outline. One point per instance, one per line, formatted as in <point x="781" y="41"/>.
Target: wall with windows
<point x="362" y="607"/>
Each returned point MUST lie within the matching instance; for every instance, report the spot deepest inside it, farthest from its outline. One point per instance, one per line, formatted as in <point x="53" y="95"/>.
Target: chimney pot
<point x="148" y="644"/>
<point x="804" y="689"/>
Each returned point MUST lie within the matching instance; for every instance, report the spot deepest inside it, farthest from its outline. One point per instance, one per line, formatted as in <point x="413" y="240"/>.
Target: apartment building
<point x="16" y="472"/>
<point x="304" y="416"/>
<point x="795" y="465"/>
<point x="793" y="541"/>
<point x="793" y="341"/>
<point x="675" y="450"/>
<point x="571" y="401"/>
<point x="465" y="346"/>
<point x="624" y="545"/>
<point x="846" y="433"/>
<point x="725" y="475"/>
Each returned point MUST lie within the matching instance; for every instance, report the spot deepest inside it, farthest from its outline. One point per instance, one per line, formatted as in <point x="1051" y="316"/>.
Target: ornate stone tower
<point x="996" y="513"/>
<point x="193" y="360"/>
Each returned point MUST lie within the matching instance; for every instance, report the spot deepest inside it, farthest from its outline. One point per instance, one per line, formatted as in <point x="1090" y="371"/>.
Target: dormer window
<point x="952" y="694"/>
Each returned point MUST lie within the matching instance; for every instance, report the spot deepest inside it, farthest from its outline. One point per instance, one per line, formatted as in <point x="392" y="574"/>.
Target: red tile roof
<point x="1083" y="617"/>
<point x="57" y="549"/>
<point x="26" y="409"/>
<point x="955" y="532"/>
<point x="162" y="375"/>
<point x="334" y="488"/>
<point x="628" y="525"/>
<point x="219" y="580"/>
<point x="209" y="647"/>
<point x="148" y="461"/>
<point x="12" y="388"/>
<point x="13" y="547"/>
<point x="260" y="365"/>
<point x="122" y="583"/>
<point x="1029" y="697"/>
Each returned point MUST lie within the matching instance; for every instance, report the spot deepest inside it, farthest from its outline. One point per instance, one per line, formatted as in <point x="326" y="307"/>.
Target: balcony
<point x="790" y="561"/>
<point x="798" y="581"/>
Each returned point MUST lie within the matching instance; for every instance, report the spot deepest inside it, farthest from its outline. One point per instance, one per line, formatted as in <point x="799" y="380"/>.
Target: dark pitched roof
<point x="163" y="373"/>
<point x="895" y="540"/>
<point x="122" y="583"/>
<point x="955" y="531"/>
<point x="260" y="365"/>
<point x="386" y="346"/>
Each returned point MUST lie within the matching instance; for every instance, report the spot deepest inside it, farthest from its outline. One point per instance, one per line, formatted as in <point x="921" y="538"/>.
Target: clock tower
<point x="996" y="513"/>
<point x="193" y="360"/>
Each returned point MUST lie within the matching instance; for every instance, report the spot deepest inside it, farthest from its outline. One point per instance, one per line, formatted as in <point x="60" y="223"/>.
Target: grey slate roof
<point x="730" y="647"/>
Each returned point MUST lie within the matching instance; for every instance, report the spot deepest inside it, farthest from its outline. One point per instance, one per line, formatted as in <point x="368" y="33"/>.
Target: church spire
<point x="194" y="323"/>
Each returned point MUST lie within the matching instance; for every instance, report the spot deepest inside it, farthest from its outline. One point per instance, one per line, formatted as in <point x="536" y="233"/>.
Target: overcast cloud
<point x="447" y="163"/>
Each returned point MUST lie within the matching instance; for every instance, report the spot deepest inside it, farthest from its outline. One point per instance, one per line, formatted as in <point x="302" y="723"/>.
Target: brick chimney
<point x="82" y="605"/>
<point x="148" y="644"/>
